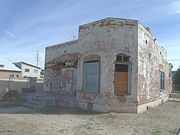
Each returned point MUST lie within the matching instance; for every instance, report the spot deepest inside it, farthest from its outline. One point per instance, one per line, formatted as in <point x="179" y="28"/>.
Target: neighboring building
<point x="173" y="73"/>
<point x="9" y="70"/>
<point x="29" y="70"/>
<point x="115" y="65"/>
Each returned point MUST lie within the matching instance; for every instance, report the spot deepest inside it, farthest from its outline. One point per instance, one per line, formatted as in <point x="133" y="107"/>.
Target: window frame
<point x="122" y="58"/>
<point x="98" y="77"/>
<point x="25" y="70"/>
<point x="162" y="81"/>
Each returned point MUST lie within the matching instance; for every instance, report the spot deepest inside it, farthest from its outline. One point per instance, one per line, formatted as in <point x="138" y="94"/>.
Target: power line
<point x="173" y="59"/>
<point x="37" y="58"/>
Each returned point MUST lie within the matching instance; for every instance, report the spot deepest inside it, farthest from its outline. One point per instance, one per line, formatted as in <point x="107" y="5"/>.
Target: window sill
<point x="89" y="92"/>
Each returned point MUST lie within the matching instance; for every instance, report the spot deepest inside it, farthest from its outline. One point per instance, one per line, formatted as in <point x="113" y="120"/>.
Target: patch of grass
<point x="9" y="104"/>
<point x="173" y="131"/>
<point x="156" y="132"/>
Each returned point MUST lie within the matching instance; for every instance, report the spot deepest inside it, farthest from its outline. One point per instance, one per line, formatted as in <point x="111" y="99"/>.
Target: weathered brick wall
<point x="107" y="38"/>
<point x="151" y="57"/>
<point x="55" y="51"/>
<point x="55" y="58"/>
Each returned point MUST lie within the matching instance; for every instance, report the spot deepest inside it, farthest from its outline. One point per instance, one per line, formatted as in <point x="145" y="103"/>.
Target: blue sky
<point x="30" y="25"/>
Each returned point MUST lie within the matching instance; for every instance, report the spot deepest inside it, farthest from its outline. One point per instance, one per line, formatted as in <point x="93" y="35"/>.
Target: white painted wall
<point x="33" y="71"/>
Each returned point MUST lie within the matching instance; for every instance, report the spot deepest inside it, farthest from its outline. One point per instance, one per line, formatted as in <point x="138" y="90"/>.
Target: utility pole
<point x="37" y="58"/>
<point x="9" y="83"/>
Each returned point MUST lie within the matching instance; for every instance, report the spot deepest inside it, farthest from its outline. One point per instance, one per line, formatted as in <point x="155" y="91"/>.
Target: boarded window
<point x="91" y="76"/>
<point x="162" y="80"/>
<point x="121" y="79"/>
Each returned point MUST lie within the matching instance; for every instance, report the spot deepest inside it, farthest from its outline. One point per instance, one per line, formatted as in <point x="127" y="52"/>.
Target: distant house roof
<point x="7" y="66"/>
<point x="25" y="63"/>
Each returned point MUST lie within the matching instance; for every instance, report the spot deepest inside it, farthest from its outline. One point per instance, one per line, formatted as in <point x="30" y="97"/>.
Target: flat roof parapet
<point x="61" y="45"/>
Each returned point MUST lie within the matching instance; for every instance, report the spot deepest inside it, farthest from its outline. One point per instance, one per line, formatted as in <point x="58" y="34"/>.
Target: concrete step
<point x="66" y="102"/>
<point x="174" y="99"/>
<point x="37" y="98"/>
<point x="37" y="101"/>
<point x="174" y="95"/>
<point x="33" y="104"/>
<point x="29" y="105"/>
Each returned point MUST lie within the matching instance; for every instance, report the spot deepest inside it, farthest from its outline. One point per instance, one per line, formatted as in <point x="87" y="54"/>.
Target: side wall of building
<point x="33" y="72"/>
<point x="152" y="59"/>
<point x="5" y="74"/>
<point x="58" y="77"/>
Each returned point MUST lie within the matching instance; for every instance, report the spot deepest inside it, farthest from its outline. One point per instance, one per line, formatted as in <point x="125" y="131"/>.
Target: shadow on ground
<point x="17" y="107"/>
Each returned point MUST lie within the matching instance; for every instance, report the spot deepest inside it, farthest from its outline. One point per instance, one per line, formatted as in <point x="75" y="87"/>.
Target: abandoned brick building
<point x="114" y="65"/>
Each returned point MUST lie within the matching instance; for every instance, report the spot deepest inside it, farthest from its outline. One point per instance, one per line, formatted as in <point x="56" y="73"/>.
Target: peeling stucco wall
<point x="150" y="56"/>
<point x="106" y="38"/>
<point x="56" y="57"/>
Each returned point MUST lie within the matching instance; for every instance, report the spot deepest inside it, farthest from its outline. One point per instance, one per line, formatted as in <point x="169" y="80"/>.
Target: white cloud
<point x="12" y="35"/>
<point x="175" y="7"/>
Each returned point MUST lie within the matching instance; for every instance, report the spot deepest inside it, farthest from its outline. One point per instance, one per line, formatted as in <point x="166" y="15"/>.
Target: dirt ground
<point x="162" y="120"/>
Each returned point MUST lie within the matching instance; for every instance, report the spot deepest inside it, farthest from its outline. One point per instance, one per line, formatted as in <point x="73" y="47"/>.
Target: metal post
<point x="9" y="82"/>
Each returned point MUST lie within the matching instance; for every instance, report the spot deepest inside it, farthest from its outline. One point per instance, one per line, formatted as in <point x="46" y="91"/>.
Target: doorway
<point x="121" y="79"/>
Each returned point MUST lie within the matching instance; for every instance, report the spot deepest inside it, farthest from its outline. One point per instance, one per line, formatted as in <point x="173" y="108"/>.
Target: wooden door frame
<point x="129" y="75"/>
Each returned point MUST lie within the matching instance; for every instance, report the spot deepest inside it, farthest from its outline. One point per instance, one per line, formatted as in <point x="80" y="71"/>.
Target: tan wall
<point x="6" y="74"/>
